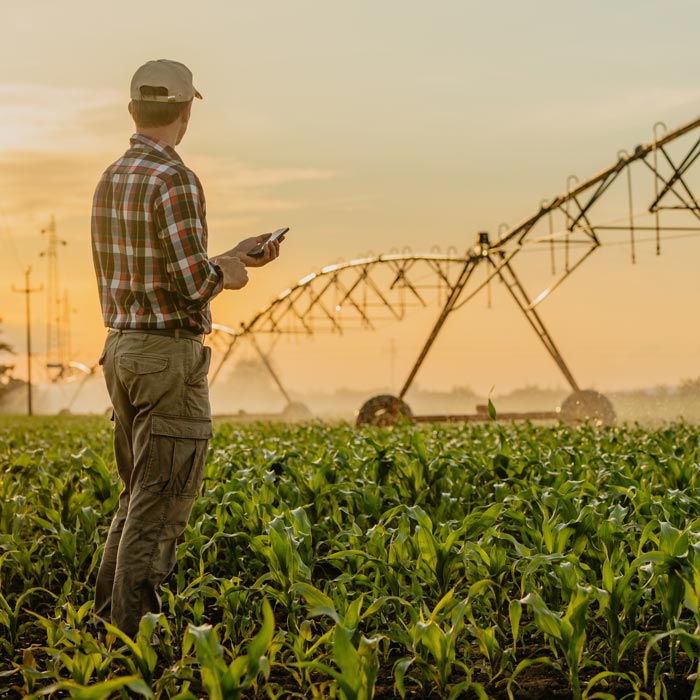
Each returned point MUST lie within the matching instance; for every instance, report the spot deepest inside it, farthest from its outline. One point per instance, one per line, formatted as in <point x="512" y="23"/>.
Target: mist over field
<point x="249" y="393"/>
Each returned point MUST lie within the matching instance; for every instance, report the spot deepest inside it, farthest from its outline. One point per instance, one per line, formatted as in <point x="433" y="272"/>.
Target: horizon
<point x="87" y="395"/>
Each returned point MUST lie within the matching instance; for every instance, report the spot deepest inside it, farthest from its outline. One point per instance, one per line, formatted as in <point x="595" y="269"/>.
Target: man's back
<point x="149" y="240"/>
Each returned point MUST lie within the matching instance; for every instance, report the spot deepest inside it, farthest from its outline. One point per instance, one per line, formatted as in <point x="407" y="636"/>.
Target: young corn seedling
<point x="103" y="690"/>
<point x="282" y="548"/>
<point x="138" y="655"/>
<point x="436" y="559"/>
<point x="228" y="681"/>
<point x="356" y="666"/>
<point x="567" y="632"/>
<point x="355" y="655"/>
<point x="671" y="571"/>
<point x="431" y="635"/>
<point x="689" y="642"/>
<point x="488" y="636"/>
<point x="10" y="617"/>
<point x="441" y="660"/>
<point x="620" y="603"/>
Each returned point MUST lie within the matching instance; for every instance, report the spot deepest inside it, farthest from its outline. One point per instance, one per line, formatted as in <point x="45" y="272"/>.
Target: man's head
<point x="161" y="95"/>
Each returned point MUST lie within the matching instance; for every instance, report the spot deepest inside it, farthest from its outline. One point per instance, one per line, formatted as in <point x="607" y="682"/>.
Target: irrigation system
<point x="645" y="194"/>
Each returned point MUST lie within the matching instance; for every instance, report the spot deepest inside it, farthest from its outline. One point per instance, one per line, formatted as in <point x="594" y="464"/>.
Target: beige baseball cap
<point x="172" y="76"/>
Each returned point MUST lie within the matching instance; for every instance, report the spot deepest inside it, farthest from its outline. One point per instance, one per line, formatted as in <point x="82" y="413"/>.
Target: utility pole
<point x="27" y="291"/>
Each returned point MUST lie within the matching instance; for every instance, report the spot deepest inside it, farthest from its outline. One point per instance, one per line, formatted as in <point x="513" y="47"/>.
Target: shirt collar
<point x="146" y="142"/>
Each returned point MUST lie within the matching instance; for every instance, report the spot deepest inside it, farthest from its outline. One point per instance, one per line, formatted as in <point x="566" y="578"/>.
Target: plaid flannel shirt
<point x="149" y="242"/>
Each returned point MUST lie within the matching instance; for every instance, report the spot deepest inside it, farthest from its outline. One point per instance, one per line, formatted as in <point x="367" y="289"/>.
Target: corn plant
<point x="433" y="558"/>
<point x="567" y="632"/>
<point x="228" y="681"/>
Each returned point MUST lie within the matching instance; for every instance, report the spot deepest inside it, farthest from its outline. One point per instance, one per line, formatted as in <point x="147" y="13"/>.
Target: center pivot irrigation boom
<point x="568" y="228"/>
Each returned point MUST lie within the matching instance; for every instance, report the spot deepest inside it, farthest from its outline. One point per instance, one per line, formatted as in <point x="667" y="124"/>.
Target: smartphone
<point x="278" y="235"/>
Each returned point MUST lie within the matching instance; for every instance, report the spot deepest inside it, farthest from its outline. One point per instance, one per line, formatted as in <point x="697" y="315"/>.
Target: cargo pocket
<point x="177" y="454"/>
<point x="143" y="364"/>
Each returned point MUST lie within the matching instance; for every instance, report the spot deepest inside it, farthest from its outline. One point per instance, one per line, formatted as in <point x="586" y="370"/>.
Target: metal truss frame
<point x="568" y="225"/>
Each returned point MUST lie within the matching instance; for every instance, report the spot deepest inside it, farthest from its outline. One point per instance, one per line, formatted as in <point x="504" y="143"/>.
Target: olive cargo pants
<point x="162" y="425"/>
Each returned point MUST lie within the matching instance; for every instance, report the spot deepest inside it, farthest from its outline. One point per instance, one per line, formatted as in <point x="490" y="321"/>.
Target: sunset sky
<point x="365" y="126"/>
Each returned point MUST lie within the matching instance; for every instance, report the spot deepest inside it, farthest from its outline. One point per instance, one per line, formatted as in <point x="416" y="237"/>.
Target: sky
<point x="366" y="127"/>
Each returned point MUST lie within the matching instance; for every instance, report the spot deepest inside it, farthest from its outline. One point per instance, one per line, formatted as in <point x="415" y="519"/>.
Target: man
<point x="155" y="280"/>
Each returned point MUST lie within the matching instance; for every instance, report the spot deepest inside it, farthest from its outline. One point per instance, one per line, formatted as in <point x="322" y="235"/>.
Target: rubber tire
<point x="588" y="405"/>
<point x="383" y="410"/>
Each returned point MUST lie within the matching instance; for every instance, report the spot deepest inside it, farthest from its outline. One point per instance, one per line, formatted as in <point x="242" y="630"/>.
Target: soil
<point x="538" y="682"/>
<point x="535" y="683"/>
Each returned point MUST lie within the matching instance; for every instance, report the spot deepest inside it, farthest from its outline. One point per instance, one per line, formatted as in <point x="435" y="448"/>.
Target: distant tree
<point x="463" y="392"/>
<point x="7" y="382"/>
<point x="690" y="387"/>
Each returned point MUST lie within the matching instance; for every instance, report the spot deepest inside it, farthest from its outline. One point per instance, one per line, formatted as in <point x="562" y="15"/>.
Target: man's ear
<point x="129" y="108"/>
<point x="185" y="114"/>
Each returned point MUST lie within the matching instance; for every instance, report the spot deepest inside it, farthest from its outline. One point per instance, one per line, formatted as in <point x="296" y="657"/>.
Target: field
<point x="440" y="561"/>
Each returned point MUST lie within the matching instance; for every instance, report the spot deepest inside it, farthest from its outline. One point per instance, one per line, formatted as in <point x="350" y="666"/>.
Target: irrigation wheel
<point x="296" y="411"/>
<point x="588" y="405"/>
<point x="383" y="410"/>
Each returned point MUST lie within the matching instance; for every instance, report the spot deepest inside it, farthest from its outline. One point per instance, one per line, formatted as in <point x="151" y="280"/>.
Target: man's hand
<point x="270" y="251"/>
<point x="235" y="274"/>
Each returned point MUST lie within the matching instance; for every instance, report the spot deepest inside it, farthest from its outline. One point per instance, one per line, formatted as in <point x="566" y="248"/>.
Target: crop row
<point x="320" y="561"/>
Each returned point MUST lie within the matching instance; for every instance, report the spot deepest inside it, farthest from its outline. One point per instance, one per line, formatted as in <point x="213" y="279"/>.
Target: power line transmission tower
<point x="27" y="291"/>
<point x="54" y="341"/>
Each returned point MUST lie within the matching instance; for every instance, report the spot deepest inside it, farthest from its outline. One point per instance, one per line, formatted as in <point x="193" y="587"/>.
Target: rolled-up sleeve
<point x="182" y="231"/>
